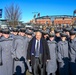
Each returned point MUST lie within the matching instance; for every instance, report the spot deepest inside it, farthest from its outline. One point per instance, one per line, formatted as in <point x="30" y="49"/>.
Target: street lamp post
<point x="36" y="14"/>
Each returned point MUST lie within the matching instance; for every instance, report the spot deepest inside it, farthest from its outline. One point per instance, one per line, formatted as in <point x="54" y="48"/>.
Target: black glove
<point x="30" y="63"/>
<point x="1" y="64"/>
<point x="16" y="59"/>
<point x="22" y="59"/>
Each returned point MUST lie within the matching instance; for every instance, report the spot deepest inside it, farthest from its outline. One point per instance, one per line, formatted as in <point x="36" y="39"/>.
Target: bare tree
<point x="13" y="14"/>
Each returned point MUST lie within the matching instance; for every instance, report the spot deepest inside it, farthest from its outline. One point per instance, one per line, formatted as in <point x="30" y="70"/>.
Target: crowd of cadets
<point x="62" y="49"/>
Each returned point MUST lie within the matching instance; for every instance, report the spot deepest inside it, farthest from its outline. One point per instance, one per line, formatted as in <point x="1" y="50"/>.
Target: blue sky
<point x="45" y="7"/>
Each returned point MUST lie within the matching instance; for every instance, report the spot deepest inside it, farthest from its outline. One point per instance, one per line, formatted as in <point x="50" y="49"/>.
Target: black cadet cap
<point x="45" y="32"/>
<point x="67" y="29"/>
<point x="28" y="32"/>
<point x="38" y="31"/>
<point x="51" y="35"/>
<point x="22" y="30"/>
<point x="35" y="30"/>
<point x="30" y="28"/>
<point x="15" y="29"/>
<point x="6" y="31"/>
<point x="58" y="30"/>
<point x="72" y="32"/>
<point x="63" y="34"/>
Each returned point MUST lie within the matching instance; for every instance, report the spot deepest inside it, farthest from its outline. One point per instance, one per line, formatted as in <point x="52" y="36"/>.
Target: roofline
<point x="55" y="16"/>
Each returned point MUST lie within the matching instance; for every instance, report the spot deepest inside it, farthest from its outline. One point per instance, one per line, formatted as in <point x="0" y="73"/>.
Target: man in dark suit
<point x="38" y="54"/>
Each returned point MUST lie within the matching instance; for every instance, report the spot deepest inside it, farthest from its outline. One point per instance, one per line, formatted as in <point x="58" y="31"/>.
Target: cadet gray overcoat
<point x="51" y="66"/>
<point x="0" y="55"/>
<point x="20" y="46"/>
<point x="72" y="47"/>
<point x="7" y="53"/>
<point x="63" y="52"/>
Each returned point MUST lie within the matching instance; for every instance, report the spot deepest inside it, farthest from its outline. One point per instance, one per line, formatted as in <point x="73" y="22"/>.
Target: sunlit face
<point x="38" y="35"/>
<point x="51" y="38"/>
<point x="67" y="33"/>
<point x="29" y="36"/>
<point x="52" y="31"/>
<point x="58" y="34"/>
<point x="45" y="36"/>
<point x="0" y="34"/>
<point x="6" y="35"/>
<point x="15" y="33"/>
<point x="44" y="28"/>
<point x="63" y="38"/>
<point x="72" y="37"/>
<point x="22" y="33"/>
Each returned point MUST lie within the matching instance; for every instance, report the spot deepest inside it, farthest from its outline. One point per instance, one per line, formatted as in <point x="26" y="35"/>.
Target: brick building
<point x="56" y="20"/>
<point x="63" y="21"/>
<point x="42" y="20"/>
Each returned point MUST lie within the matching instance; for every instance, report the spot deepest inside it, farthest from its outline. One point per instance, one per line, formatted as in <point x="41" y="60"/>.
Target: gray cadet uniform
<point x="7" y="53"/>
<point x="72" y="45"/>
<point x="51" y="65"/>
<point x="63" y="56"/>
<point x="20" y="46"/>
<point x="0" y="55"/>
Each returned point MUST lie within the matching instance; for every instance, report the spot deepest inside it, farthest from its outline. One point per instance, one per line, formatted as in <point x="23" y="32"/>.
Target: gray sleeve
<point x="73" y="52"/>
<point x="28" y="39"/>
<point x="74" y="46"/>
<point x="56" y="51"/>
<point x="59" y="53"/>
<point x="13" y="49"/>
<point x="0" y="54"/>
<point x="72" y="55"/>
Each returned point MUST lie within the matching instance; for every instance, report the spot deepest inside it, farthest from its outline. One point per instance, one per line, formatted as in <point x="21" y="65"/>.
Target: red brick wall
<point x="56" y="21"/>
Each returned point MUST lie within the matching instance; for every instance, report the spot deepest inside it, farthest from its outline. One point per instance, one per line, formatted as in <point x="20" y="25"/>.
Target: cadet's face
<point x="58" y="34"/>
<point x="15" y="33"/>
<point x="52" y="31"/>
<point x="51" y="38"/>
<point x="6" y="35"/>
<point x="38" y="35"/>
<point x="63" y="38"/>
<point x="45" y="36"/>
<point x="44" y="28"/>
<point x="0" y="34"/>
<point x="29" y="36"/>
<point x="67" y="33"/>
<point x="72" y="37"/>
<point x="22" y="34"/>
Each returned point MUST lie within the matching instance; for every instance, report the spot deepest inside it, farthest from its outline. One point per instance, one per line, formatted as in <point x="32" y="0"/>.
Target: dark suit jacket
<point x="45" y="54"/>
